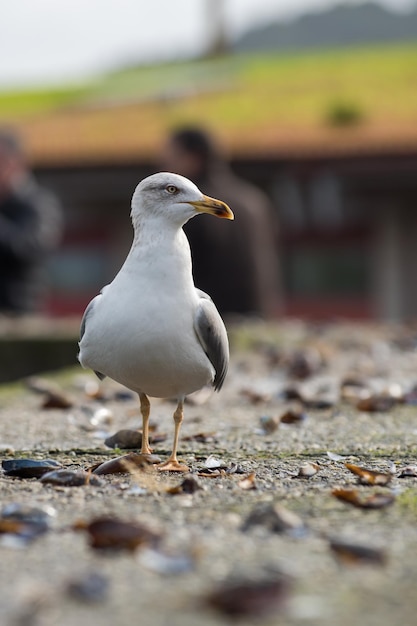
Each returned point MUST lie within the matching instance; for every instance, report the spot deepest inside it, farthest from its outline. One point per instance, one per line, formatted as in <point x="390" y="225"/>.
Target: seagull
<point x="151" y="329"/>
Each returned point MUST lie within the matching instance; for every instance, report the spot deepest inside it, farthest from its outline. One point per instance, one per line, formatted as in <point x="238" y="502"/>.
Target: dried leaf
<point x="369" y="477"/>
<point x="70" y="478"/>
<point x="377" y="403"/>
<point x="126" y="464"/>
<point x="292" y="416"/>
<point x="307" y="470"/>
<point x="275" y="518"/>
<point x="113" y="534"/>
<point x="354" y="554"/>
<point x="250" y="598"/>
<point x="189" y="486"/>
<point x="248" y="482"/>
<point x="375" y="501"/>
<point x="28" y="468"/>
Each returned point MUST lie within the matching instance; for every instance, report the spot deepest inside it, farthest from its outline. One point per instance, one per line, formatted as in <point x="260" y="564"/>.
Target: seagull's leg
<point x="145" y="409"/>
<point x="172" y="464"/>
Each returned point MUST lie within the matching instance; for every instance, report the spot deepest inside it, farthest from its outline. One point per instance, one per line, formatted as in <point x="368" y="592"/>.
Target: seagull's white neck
<point x="161" y="250"/>
<point x="154" y="231"/>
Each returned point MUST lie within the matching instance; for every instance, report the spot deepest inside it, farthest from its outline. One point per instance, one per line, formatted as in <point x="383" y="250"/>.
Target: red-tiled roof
<point x="136" y="133"/>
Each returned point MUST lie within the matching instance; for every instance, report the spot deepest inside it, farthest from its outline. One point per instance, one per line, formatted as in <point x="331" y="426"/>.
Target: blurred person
<point x="30" y="228"/>
<point x="236" y="263"/>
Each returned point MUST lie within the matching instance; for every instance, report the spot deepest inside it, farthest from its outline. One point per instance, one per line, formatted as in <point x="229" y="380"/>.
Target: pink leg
<point x="145" y="409"/>
<point x="172" y="464"/>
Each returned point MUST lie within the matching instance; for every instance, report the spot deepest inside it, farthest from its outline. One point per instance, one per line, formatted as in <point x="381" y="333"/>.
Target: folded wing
<point x="212" y="335"/>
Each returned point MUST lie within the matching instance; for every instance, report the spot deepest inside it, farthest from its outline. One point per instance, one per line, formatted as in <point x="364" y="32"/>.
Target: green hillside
<point x="376" y="83"/>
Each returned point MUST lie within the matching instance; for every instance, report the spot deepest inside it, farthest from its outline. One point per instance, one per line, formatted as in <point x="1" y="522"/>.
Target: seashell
<point x="29" y="468"/>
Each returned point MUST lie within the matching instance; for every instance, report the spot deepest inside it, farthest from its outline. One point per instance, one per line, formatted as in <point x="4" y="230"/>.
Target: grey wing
<point x="203" y="294"/>
<point x="89" y="311"/>
<point x="87" y="314"/>
<point x="212" y="334"/>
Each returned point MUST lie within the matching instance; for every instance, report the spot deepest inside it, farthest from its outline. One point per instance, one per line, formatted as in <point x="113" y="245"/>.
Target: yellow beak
<point x="213" y="207"/>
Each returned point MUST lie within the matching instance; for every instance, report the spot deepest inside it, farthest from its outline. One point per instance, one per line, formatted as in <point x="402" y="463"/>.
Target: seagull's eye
<point x="172" y="189"/>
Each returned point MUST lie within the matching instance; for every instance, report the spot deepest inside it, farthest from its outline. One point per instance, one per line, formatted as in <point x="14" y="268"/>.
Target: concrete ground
<point x="206" y="541"/>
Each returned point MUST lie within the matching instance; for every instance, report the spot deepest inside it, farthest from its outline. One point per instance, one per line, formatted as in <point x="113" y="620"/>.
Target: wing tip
<point x="219" y="379"/>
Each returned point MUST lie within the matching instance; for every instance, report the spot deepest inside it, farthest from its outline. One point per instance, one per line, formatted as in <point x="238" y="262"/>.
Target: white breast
<point x="141" y="331"/>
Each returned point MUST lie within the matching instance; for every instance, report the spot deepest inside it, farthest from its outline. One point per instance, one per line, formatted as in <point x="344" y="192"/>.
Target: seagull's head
<point x="174" y="199"/>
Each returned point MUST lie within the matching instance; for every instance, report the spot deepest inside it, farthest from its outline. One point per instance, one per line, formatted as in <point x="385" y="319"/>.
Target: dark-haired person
<point x="236" y="263"/>
<point x="30" y="228"/>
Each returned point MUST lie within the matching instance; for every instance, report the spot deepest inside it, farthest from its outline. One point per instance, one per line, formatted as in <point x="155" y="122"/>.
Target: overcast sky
<point x="56" y="41"/>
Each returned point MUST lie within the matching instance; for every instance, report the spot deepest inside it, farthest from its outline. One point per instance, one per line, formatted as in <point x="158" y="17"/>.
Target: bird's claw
<point x="172" y="466"/>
